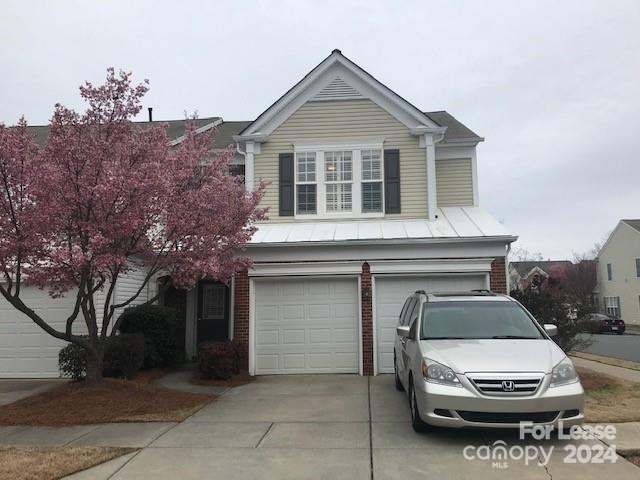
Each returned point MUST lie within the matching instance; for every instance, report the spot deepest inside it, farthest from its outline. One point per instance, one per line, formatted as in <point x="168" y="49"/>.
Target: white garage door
<point x="391" y="293"/>
<point x="26" y="351"/>
<point x="306" y="326"/>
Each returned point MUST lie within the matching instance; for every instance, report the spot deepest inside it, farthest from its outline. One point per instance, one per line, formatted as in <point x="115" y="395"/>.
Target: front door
<point x="213" y="311"/>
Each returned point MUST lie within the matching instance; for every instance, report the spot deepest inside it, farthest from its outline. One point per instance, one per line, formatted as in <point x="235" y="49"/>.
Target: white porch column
<point x="432" y="198"/>
<point x="248" y="166"/>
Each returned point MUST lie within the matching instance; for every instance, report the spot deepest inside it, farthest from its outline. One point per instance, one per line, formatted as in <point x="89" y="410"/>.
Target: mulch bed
<point x="111" y="400"/>
<point x="635" y="459"/>
<point x="236" y="380"/>
<point x="49" y="463"/>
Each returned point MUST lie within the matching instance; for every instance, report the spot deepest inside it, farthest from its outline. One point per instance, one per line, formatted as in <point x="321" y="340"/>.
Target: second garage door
<point x="306" y="325"/>
<point x="391" y="293"/>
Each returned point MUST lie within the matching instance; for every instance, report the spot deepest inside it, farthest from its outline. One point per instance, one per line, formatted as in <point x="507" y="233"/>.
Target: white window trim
<point x="356" y="183"/>
<point x="612" y="306"/>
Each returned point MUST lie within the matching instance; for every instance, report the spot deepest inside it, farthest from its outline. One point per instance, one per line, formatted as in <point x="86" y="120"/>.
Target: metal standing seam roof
<point x="452" y="223"/>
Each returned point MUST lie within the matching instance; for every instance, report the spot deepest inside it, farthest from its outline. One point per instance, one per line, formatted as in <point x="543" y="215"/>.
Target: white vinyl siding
<point x="346" y="120"/>
<point x="454" y="182"/>
<point x="621" y="251"/>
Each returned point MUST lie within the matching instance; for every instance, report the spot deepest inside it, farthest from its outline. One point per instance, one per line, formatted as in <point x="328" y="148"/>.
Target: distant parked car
<point x="601" y="323"/>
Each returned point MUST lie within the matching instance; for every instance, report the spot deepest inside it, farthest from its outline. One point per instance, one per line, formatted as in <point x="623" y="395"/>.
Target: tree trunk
<point x="94" y="367"/>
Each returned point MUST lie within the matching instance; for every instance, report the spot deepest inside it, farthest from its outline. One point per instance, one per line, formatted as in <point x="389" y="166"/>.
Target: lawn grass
<point x="49" y="463"/>
<point x="608" y="399"/>
<point x="111" y="400"/>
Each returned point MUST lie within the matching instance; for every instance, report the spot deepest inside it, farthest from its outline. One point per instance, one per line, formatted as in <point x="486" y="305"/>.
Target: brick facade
<point x="498" y="276"/>
<point x="241" y="316"/>
<point x="367" y="320"/>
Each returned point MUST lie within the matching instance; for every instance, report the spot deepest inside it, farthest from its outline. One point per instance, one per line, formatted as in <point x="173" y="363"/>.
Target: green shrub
<point x="72" y="361"/>
<point x="218" y="360"/>
<point x="159" y="325"/>
<point x="123" y="357"/>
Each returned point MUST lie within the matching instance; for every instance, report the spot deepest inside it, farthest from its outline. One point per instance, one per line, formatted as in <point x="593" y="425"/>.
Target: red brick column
<point x="498" y="276"/>
<point x="241" y="316"/>
<point x="367" y="320"/>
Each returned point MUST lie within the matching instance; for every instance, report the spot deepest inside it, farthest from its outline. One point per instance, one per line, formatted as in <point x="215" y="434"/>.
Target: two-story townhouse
<point x="369" y="199"/>
<point x="619" y="272"/>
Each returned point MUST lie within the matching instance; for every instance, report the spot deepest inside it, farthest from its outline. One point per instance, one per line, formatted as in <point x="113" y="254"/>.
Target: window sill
<point x="339" y="216"/>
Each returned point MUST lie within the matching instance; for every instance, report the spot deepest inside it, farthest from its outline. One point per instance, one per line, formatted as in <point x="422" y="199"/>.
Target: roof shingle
<point x="633" y="223"/>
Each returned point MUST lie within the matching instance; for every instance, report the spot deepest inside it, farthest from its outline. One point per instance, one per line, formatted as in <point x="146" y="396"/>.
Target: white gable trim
<point x="202" y="129"/>
<point x="620" y="224"/>
<point x="322" y="77"/>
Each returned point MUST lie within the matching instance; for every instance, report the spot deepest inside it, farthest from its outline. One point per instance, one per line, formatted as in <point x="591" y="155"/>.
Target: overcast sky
<point x="554" y="87"/>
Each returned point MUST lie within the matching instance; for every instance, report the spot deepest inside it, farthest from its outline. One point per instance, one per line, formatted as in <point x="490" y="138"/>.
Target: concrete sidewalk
<point x="13" y="390"/>
<point x="621" y="373"/>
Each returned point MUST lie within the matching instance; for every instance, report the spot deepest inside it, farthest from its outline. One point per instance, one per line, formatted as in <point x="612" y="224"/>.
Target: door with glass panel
<point x="213" y="311"/>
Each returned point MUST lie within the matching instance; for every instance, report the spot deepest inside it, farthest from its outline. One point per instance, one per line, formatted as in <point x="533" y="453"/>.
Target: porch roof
<point x="453" y="223"/>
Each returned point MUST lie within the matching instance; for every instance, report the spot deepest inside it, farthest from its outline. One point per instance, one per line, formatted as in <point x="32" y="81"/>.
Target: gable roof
<point x="630" y="223"/>
<point x="524" y="268"/>
<point x="633" y="223"/>
<point x="175" y="128"/>
<point x="226" y="131"/>
<point x="321" y="82"/>
<point x="456" y="131"/>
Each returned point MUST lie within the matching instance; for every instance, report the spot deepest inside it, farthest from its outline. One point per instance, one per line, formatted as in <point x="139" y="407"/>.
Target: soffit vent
<point x="337" y="89"/>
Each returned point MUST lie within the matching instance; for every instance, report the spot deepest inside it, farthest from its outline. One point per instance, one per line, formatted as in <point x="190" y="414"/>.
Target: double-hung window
<point x="339" y="180"/>
<point x="612" y="306"/>
<point x="306" y="190"/>
<point x="371" y="180"/>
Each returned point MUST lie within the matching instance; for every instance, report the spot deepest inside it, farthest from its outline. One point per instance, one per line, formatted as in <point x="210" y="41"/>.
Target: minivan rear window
<point x="477" y="320"/>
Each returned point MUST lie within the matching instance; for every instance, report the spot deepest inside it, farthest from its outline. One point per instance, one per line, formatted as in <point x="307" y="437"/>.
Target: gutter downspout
<point x="244" y="154"/>
<point x="506" y="267"/>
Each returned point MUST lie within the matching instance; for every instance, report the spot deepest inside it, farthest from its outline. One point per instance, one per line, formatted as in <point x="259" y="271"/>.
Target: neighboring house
<point x="26" y="351"/>
<point x="523" y="274"/>
<point x="369" y="199"/>
<point x="619" y="272"/>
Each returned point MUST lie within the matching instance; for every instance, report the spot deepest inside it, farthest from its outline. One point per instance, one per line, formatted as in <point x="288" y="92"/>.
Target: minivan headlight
<point x="563" y="373"/>
<point x="437" y="373"/>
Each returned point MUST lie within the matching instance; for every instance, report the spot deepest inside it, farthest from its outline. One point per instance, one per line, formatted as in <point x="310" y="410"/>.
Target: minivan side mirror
<point x="402" y="331"/>
<point x="551" y="329"/>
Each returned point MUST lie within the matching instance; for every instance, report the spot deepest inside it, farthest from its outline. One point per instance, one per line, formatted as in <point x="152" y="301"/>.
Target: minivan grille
<point x="508" y="417"/>
<point x="507" y="386"/>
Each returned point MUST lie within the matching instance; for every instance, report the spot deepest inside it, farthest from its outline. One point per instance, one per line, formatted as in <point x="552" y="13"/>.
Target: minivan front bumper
<point x="465" y="406"/>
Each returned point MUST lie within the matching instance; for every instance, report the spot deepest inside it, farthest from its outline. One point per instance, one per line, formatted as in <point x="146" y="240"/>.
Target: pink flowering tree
<point x="105" y="196"/>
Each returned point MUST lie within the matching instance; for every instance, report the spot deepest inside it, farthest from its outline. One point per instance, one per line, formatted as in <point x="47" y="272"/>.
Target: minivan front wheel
<point x="399" y="385"/>
<point x="416" y="422"/>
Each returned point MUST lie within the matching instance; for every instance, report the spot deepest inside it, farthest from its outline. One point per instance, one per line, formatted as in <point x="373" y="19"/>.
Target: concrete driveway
<point x="12" y="390"/>
<point x="324" y="426"/>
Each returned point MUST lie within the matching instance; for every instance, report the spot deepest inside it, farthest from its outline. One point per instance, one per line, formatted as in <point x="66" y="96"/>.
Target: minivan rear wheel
<point x="416" y="422"/>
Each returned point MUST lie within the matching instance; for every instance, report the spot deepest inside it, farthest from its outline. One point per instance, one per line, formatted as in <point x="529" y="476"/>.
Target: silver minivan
<point x="479" y="359"/>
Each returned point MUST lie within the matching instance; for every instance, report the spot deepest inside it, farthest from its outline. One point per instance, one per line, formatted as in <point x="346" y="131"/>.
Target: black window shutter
<point x="286" y="185"/>
<point x="392" y="181"/>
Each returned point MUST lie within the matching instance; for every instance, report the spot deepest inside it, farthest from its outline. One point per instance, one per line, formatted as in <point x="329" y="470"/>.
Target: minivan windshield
<point x="476" y="320"/>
